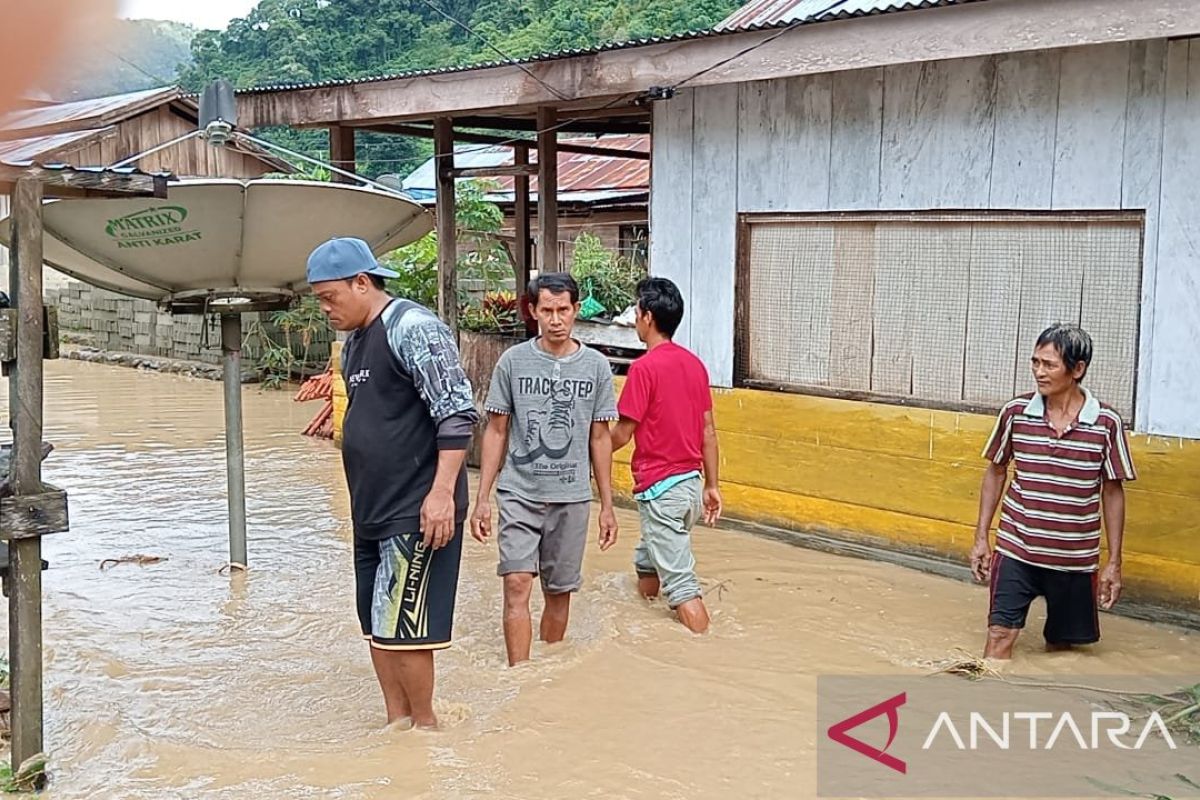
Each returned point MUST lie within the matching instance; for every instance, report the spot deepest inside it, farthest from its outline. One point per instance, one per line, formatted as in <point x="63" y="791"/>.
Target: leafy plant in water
<point x="31" y="776"/>
<point x="279" y="355"/>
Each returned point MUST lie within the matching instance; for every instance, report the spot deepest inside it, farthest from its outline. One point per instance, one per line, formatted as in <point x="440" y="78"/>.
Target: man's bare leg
<point x="395" y="699"/>
<point x="648" y="586"/>
<point x="518" y="625"/>
<point x="555" y="616"/>
<point x="693" y="614"/>
<point x="1058" y="647"/>
<point x="415" y="668"/>
<point x="1000" y="642"/>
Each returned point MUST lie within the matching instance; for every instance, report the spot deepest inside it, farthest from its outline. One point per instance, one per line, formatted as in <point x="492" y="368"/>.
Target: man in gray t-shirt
<point x="549" y="407"/>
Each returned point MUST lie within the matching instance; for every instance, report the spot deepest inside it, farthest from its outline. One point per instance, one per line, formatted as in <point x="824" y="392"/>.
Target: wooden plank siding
<point x="1086" y="128"/>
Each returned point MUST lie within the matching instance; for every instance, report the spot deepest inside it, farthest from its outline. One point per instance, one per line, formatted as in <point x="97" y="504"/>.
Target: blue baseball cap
<point x="339" y="259"/>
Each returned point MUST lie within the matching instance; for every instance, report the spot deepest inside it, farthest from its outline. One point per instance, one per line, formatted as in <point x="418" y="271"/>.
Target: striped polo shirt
<point x="1051" y="511"/>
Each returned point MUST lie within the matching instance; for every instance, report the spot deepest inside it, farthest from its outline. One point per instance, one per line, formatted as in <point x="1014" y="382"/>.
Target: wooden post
<point x="524" y="249"/>
<point x="25" y="554"/>
<point x="341" y="151"/>
<point x="547" y="205"/>
<point x="447" y="232"/>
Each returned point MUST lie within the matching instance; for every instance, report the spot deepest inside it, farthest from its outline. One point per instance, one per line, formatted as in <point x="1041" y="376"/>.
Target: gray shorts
<point x="545" y="539"/>
<point x="665" y="549"/>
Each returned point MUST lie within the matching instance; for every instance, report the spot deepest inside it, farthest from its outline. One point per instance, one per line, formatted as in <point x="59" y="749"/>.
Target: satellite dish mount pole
<point x="235" y="452"/>
<point x="217" y="121"/>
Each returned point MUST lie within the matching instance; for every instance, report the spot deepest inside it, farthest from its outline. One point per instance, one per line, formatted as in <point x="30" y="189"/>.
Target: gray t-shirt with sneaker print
<point x="551" y="404"/>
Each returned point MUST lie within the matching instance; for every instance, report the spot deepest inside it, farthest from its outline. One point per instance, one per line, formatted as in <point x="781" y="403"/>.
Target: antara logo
<point x="1106" y="728"/>
<point x="891" y="707"/>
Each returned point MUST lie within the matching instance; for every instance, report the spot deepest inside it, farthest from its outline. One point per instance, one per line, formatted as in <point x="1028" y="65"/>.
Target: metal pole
<point x="25" y="554"/>
<point x="235" y="455"/>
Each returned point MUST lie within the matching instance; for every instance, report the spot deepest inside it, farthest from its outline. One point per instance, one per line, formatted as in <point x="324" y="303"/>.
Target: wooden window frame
<point x="746" y="220"/>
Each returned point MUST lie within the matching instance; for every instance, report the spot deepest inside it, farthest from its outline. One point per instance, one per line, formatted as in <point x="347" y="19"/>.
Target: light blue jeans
<point x="665" y="549"/>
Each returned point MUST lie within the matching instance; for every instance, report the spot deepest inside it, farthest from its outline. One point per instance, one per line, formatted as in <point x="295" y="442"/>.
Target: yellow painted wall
<point x="908" y="479"/>
<point x="339" y="391"/>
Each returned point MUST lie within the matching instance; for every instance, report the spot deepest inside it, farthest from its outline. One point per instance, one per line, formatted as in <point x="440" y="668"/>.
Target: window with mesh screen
<point x="935" y="309"/>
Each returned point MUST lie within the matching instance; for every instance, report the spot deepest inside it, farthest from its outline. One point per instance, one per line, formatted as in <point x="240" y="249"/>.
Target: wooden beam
<point x="71" y="182"/>
<point x="25" y="472"/>
<point x="510" y="170"/>
<point x="8" y="335"/>
<point x="447" y="229"/>
<point x="509" y="141"/>
<point x="547" y="190"/>
<point x="524" y="240"/>
<point x="341" y="151"/>
<point x="581" y="126"/>
<point x="960" y="31"/>
<point x="31" y="515"/>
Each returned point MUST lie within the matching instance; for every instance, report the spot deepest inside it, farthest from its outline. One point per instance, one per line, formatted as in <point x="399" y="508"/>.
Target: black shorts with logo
<point x="1072" y="614"/>
<point x="406" y="591"/>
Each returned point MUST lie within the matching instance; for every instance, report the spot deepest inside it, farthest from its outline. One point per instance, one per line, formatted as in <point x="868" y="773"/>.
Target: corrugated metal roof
<point x="849" y="9"/>
<point x="104" y="110"/>
<point x="760" y="13"/>
<point x="40" y="146"/>
<point x="577" y="172"/>
<point x="67" y="169"/>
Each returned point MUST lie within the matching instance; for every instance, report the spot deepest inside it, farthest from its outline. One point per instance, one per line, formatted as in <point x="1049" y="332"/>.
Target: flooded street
<point x="172" y="680"/>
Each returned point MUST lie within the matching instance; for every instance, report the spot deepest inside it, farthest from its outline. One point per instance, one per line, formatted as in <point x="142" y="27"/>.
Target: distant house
<point x="599" y="194"/>
<point x="107" y="130"/>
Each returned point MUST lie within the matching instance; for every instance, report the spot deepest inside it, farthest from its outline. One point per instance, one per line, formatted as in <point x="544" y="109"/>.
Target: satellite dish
<point x="218" y="244"/>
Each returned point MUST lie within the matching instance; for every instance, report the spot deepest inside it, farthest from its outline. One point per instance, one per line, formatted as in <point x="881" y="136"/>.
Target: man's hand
<point x="437" y="517"/>
<point x="1110" y="585"/>
<point x="608" y="528"/>
<point x="481" y="520"/>
<point x="981" y="559"/>
<point x="712" y="506"/>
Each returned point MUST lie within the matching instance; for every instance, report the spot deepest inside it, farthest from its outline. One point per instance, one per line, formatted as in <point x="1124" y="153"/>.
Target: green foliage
<point x="283" y="347"/>
<point x="417" y="265"/>
<point x="607" y="278"/>
<point x="31" y="777"/>
<point x="482" y="255"/>
<point x="498" y="312"/>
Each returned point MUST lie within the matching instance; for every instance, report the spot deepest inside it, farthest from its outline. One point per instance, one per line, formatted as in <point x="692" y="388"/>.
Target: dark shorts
<point x="406" y="591"/>
<point x="1072" y="614"/>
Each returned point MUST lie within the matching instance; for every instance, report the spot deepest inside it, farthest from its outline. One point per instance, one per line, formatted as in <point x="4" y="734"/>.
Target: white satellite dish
<point x="217" y="244"/>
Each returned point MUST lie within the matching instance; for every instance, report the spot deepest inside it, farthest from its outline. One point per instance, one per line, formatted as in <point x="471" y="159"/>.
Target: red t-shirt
<point x="666" y="393"/>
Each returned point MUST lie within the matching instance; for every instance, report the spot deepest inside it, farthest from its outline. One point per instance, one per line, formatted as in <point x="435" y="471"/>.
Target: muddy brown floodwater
<point x="171" y="680"/>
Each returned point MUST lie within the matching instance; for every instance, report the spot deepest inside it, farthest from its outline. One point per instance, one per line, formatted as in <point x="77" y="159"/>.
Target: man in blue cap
<point x="405" y="436"/>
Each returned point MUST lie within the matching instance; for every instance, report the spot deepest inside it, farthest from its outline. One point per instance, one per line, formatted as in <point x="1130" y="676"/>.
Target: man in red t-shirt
<point x="666" y="408"/>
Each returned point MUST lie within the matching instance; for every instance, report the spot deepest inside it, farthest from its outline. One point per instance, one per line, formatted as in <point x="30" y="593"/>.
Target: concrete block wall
<point x="109" y="321"/>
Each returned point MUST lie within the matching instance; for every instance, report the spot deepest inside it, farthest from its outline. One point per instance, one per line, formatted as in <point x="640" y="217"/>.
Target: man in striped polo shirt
<point x="1070" y="457"/>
